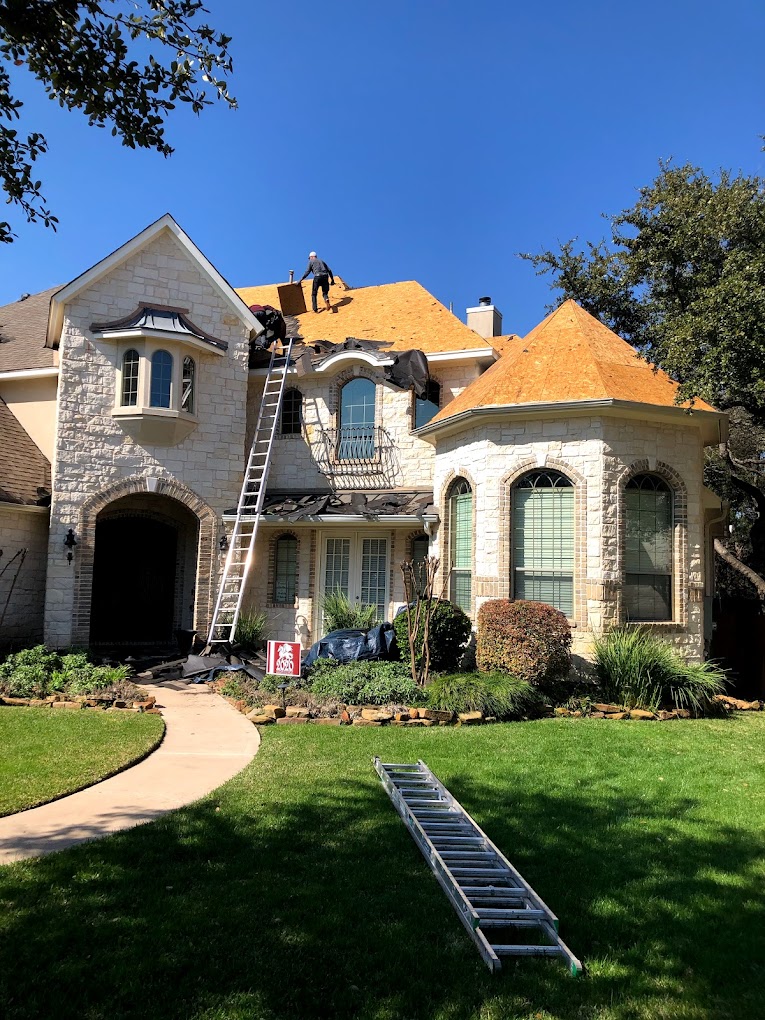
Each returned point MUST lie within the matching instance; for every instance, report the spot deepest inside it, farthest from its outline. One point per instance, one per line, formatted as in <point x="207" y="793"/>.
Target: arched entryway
<point x="144" y="569"/>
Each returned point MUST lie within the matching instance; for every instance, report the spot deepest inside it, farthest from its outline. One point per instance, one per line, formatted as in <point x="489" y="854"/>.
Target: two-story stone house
<point x="554" y="467"/>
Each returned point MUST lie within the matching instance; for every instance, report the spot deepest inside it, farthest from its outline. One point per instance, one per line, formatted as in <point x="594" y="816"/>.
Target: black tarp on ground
<point x="354" y="645"/>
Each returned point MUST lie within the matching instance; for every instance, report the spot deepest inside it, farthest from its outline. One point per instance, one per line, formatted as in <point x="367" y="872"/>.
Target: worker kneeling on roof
<point x="322" y="277"/>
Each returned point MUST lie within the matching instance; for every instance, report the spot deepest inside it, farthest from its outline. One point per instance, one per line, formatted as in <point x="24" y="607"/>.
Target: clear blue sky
<point x="416" y="139"/>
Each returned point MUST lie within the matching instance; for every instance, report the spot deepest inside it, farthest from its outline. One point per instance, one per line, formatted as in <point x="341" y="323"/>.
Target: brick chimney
<point x="485" y="319"/>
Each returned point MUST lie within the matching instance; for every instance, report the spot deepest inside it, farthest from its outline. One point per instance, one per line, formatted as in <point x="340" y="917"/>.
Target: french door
<point x="359" y="565"/>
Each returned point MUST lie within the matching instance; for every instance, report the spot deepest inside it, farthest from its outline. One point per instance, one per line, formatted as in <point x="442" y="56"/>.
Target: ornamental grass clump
<point x="252" y="629"/>
<point x="493" y="694"/>
<point x="528" y="640"/>
<point x="637" y="669"/>
<point x="339" y="614"/>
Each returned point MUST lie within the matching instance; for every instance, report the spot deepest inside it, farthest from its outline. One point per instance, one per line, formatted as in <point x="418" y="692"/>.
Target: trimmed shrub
<point x="450" y="630"/>
<point x="637" y="669"/>
<point x="491" y="693"/>
<point x="363" y="683"/>
<point x="339" y="614"/>
<point x="529" y="640"/>
<point x="36" y="672"/>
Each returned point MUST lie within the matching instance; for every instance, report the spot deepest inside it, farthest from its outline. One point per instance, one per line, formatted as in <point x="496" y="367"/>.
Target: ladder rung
<point x="512" y="914"/>
<point x="528" y="951"/>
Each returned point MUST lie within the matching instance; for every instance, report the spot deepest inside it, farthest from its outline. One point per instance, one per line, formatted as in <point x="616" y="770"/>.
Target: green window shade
<point x="285" y="569"/>
<point x="461" y="504"/>
<point x="648" y="549"/>
<point x="543" y="541"/>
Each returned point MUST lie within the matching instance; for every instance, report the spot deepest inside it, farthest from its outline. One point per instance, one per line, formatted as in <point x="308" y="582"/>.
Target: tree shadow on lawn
<point x="326" y="909"/>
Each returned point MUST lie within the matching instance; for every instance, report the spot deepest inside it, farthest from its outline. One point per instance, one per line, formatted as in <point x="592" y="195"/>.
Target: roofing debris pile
<point x="296" y="506"/>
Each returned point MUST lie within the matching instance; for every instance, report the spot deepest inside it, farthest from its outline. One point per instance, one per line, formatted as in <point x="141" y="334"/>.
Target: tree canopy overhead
<point x="124" y="63"/>
<point x="682" y="277"/>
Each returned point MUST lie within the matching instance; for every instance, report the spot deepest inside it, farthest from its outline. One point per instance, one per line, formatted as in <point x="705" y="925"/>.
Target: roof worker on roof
<point x="322" y="277"/>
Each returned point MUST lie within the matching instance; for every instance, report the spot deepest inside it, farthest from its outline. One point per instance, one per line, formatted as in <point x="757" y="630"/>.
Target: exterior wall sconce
<point x="223" y="543"/>
<point x="70" y="542"/>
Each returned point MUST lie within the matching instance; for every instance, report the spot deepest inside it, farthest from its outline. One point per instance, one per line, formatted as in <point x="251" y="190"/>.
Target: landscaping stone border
<point x="82" y="701"/>
<point x="374" y="715"/>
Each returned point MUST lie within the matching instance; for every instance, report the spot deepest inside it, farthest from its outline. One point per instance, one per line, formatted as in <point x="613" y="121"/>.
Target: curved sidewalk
<point x="206" y="742"/>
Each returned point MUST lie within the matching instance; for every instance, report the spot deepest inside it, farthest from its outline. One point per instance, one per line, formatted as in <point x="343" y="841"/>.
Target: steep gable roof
<point x="165" y="224"/>
<point x="23" y="468"/>
<point x="22" y="333"/>
<point x="403" y="315"/>
<point x="569" y="356"/>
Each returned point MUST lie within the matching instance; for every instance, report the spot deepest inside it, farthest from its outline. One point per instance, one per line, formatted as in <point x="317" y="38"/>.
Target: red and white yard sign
<point x="283" y="658"/>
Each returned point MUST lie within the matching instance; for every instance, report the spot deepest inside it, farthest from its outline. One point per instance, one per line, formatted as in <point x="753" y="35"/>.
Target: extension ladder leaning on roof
<point x="241" y="547"/>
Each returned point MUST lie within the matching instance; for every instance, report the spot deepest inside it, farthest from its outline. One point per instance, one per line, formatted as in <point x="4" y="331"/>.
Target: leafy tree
<point x="124" y="63"/>
<point x="682" y="277"/>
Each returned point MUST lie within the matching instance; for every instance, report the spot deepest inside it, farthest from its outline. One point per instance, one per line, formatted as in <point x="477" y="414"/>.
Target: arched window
<point x="188" y="387"/>
<point x="648" y="548"/>
<point x="426" y="407"/>
<point x="130" y="362"/>
<point x="356" y="439"/>
<point x="461" y="543"/>
<point x="543" y="540"/>
<point x="285" y="569"/>
<point x="292" y="413"/>
<point x="161" y="379"/>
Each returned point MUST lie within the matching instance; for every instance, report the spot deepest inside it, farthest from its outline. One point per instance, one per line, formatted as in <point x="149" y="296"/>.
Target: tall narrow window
<point x="648" y="549"/>
<point x="426" y="407"/>
<point x="461" y="544"/>
<point x="130" y="362"/>
<point x="161" y="379"/>
<point x="285" y="569"/>
<point x="420" y="551"/>
<point x="543" y="540"/>
<point x="356" y="439"/>
<point x="292" y="413"/>
<point x="188" y="385"/>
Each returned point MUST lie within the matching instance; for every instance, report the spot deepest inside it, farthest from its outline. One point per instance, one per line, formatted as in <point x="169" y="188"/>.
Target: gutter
<point x="29" y="373"/>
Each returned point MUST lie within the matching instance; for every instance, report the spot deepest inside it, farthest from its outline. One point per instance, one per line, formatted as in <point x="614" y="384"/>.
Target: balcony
<point x="356" y="450"/>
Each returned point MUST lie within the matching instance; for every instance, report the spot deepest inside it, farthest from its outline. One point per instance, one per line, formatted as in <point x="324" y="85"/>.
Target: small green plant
<point x="530" y="640"/>
<point x="97" y="679"/>
<point x="252" y="629"/>
<point x="637" y="669"/>
<point x="339" y="614"/>
<point x="363" y="683"/>
<point x="495" y="694"/>
<point x="449" y="631"/>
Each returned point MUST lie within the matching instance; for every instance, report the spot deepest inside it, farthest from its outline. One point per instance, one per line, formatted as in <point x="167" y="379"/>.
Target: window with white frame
<point x="130" y="364"/>
<point x="161" y="385"/>
<point x="543" y="539"/>
<point x="648" y="526"/>
<point x="188" y="385"/>
<point x="356" y="435"/>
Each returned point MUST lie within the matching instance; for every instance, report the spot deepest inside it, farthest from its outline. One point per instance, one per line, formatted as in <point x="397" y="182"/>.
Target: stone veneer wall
<point x="22" y="612"/>
<point x="599" y="455"/>
<point x="408" y="466"/>
<point x="96" y="457"/>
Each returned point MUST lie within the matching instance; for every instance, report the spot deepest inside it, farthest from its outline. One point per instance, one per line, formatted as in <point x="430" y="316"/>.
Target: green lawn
<point x="295" y="891"/>
<point x="45" y="752"/>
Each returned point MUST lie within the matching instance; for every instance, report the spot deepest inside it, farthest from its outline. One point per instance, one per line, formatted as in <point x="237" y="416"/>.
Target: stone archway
<point x="157" y="501"/>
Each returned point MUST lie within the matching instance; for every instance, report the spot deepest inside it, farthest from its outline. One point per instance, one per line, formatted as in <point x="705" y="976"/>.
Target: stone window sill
<point x="162" y="426"/>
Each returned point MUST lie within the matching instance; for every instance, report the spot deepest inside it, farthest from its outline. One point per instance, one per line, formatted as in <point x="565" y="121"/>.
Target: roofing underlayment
<point x="22" y="333"/>
<point x="24" y="471"/>
<point x="402" y="315"/>
<point x="569" y="356"/>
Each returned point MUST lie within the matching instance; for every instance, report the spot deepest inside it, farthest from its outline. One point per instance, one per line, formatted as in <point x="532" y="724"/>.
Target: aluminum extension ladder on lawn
<point x="484" y="888"/>
<point x="241" y="547"/>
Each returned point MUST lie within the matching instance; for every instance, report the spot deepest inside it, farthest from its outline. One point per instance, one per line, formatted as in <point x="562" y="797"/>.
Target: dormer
<point x="159" y="356"/>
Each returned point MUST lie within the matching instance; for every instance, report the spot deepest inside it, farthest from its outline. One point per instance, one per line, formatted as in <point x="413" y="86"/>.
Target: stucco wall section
<point x="33" y="402"/>
<point x="22" y="622"/>
<point x="598" y="454"/>
<point x="94" y="452"/>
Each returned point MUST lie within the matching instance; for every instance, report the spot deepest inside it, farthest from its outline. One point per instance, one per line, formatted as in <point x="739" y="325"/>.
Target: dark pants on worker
<point x="323" y="282"/>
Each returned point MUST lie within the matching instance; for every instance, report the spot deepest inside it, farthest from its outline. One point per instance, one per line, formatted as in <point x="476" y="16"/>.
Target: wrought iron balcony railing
<point x="352" y="450"/>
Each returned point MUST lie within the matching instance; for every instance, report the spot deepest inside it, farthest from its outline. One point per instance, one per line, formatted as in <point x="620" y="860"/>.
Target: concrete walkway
<point x="206" y="742"/>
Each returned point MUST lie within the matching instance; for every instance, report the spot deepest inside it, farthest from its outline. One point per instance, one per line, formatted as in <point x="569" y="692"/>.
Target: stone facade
<point x="599" y="455"/>
<point x="94" y="453"/>
<point x="22" y="584"/>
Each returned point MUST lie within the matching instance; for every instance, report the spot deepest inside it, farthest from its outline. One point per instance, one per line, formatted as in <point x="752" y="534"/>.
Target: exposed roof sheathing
<point x="569" y="356"/>
<point x="24" y="471"/>
<point x="22" y="333"/>
<point x="404" y="315"/>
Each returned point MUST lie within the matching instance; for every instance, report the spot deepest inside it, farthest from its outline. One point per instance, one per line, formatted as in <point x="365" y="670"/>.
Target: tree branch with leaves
<point x="84" y="52"/>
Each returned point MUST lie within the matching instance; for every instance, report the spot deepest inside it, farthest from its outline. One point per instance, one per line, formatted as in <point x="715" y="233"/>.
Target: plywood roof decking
<point x="22" y="333"/>
<point x="404" y="315"/>
<point x="569" y="356"/>
<point x="24" y="471"/>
